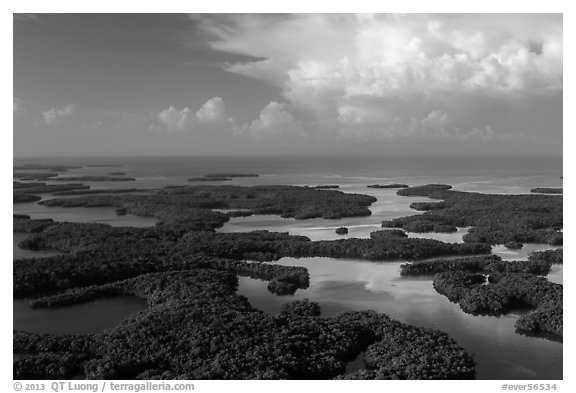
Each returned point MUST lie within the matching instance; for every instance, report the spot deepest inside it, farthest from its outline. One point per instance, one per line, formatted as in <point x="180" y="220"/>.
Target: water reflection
<point x="555" y="274"/>
<point x="90" y="317"/>
<point x="388" y="206"/>
<point x="340" y="285"/>
<point x="454" y="237"/>
<point x="521" y="254"/>
<point x="103" y="215"/>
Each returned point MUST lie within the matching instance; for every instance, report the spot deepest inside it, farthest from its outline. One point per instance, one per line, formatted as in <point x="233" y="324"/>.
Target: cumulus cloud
<point x="485" y="133"/>
<point x="176" y="119"/>
<point x="54" y="116"/>
<point x="213" y="110"/>
<point x="384" y="55"/>
<point x="380" y="71"/>
<point x="18" y="105"/>
<point x="274" y="121"/>
<point x="211" y="114"/>
<point x="435" y="123"/>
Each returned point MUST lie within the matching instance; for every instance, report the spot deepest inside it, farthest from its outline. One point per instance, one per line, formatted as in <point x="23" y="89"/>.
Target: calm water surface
<point x="84" y="318"/>
<point x="340" y="285"/>
<point x="101" y="215"/>
<point x="480" y="174"/>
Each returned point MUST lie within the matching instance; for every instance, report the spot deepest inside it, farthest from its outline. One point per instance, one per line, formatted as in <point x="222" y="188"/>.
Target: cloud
<point x="211" y="114"/>
<point x="486" y="133"/>
<point x="212" y="110"/>
<point x="176" y="119"/>
<point x="18" y="106"/>
<point x="54" y="116"/>
<point x="360" y="124"/>
<point x="381" y="71"/>
<point x="274" y="121"/>
<point x="383" y="55"/>
<point x="436" y="123"/>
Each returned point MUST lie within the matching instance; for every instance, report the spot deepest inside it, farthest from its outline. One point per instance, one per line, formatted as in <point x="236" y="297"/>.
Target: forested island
<point x="221" y="177"/>
<point x="209" y="179"/>
<point x="24" y="198"/>
<point x="197" y="327"/>
<point x="488" y="285"/>
<point x="43" y="167"/>
<point x="28" y="192"/>
<point x="286" y="201"/>
<point x="188" y="297"/>
<point x="34" y="175"/>
<point x="547" y="190"/>
<point x="93" y="178"/>
<point x="393" y="185"/>
<point x="494" y="219"/>
<point x="506" y="292"/>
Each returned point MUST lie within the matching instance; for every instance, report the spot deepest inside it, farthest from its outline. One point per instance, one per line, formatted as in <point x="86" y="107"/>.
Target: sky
<point x="245" y="84"/>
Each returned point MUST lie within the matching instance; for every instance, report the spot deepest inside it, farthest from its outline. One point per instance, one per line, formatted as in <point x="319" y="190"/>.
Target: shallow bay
<point x="90" y="317"/>
<point x="340" y="285"/>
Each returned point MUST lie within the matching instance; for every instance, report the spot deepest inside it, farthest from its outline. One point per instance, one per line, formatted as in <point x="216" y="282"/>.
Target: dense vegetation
<point x="382" y="249"/>
<point x="327" y="186"/>
<point x="424" y="190"/>
<point x="547" y="256"/>
<point x="213" y="178"/>
<point x="393" y="185"/>
<point x="505" y="292"/>
<point x="197" y="328"/>
<point x="547" y="190"/>
<point x="103" y="191"/>
<point x="287" y="201"/>
<point x="27" y="192"/>
<point x="193" y="310"/>
<point x="175" y="214"/>
<point x="476" y="264"/>
<point x="43" y="188"/>
<point x="423" y="206"/>
<point x="93" y="178"/>
<point x="120" y="253"/>
<point x="414" y="354"/>
<point x="512" y="245"/>
<point x="221" y="176"/>
<point x="256" y="245"/>
<point x="23" y="223"/>
<point x="50" y="167"/>
<point x="495" y="219"/>
<point x="35" y="175"/>
<point x="229" y="174"/>
<point x="24" y="198"/>
<point x="423" y="226"/>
